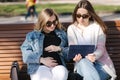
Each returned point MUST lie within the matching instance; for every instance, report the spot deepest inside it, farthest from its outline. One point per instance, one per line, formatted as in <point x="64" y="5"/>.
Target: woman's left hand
<point x="77" y="58"/>
<point x="91" y="57"/>
<point x="53" y="48"/>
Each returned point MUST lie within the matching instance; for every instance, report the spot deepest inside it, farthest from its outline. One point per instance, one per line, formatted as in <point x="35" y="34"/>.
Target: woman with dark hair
<point x="88" y="29"/>
<point x="44" y="49"/>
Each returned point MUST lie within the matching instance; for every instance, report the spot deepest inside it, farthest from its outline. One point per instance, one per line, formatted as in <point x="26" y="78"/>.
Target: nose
<point x="52" y="25"/>
<point x="81" y="19"/>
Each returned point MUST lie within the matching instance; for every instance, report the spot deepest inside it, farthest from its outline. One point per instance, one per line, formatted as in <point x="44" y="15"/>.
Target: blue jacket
<point x="32" y="49"/>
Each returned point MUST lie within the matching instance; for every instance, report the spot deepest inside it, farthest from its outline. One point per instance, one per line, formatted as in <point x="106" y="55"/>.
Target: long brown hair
<point x="43" y="17"/>
<point x="94" y="17"/>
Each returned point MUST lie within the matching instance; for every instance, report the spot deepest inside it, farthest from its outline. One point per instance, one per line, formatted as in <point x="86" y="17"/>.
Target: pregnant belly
<point x="53" y="55"/>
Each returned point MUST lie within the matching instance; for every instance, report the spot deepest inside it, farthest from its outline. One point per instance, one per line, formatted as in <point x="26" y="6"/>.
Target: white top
<point x="92" y="35"/>
<point x="86" y="35"/>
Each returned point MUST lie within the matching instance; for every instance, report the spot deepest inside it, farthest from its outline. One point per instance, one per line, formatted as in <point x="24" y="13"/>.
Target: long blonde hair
<point x="43" y="17"/>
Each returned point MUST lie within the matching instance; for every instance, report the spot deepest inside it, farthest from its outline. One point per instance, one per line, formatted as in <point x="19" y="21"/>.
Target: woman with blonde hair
<point x="44" y="49"/>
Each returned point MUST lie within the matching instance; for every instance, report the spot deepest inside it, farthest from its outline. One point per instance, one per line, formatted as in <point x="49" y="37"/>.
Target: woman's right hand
<point x="77" y="58"/>
<point x="48" y="61"/>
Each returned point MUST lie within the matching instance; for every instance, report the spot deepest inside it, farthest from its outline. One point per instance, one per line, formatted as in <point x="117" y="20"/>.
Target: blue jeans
<point x="91" y="71"/>
<point x="103" y="75"/>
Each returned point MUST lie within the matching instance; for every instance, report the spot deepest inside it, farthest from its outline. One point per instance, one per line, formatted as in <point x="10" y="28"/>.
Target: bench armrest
<point x="14" y="73"/>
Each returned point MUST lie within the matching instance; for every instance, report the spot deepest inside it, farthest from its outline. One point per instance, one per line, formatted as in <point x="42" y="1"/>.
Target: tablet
<point x="80" y="49"/>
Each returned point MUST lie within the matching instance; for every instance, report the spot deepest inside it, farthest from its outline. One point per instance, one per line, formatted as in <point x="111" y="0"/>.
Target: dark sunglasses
<point x="49" y="23"/>
<point x="84" y="16"/>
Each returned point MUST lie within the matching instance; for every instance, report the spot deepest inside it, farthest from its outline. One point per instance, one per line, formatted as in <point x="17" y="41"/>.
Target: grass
<point x="20" y="9"/>
<point x="106" y="8"/>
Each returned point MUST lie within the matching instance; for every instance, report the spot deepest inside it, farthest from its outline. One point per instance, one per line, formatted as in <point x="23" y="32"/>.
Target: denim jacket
<point x="32" y="49"/>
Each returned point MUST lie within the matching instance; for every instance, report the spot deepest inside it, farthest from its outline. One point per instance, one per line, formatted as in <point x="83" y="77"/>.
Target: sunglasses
<point x="84" y="16"/>
<point x="49" y="23"/>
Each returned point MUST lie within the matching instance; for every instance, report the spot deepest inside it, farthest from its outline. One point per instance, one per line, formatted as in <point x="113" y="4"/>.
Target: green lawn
<point x="20" y="9"/>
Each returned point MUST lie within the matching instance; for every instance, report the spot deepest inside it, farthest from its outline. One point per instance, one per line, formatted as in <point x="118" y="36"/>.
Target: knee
<point x="37" y="77"/>
<point x="82" y="62"/>
<point x="60" y="70"/>
<point x="85" y="62"/>
<point x="60" y="73"/>
<point x="45" y="79"/>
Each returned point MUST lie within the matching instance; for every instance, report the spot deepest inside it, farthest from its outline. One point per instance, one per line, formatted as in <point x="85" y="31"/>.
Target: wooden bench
<point x="13" y="35"/>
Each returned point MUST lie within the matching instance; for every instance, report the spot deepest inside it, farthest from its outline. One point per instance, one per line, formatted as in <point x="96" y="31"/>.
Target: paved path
<point x="105" y="2"/>
<point x="63" y="18"/>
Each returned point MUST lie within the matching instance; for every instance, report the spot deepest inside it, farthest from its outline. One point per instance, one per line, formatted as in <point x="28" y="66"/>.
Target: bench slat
<point x="5" y="77"/>
<point x="5" y="59"/>
<point x="9" y="51"/>
<point x="10" y="43"/>
<point x="12" y="35"/>
<point x="15" y="32"/>
<point x="11" y="39"/>
<point x="9" y="47"/>
<point x="10" y="55"/>
<point x="16" y="26"/>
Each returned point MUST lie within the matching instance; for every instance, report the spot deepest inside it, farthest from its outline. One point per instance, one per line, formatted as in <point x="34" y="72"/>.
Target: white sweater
<point x="92" y="35"/>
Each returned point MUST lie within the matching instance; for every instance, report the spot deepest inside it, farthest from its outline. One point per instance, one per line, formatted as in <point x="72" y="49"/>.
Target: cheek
<point x="80" y="20"/>
<point x="46" y="29"/>
<point x="50" y="29"/>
